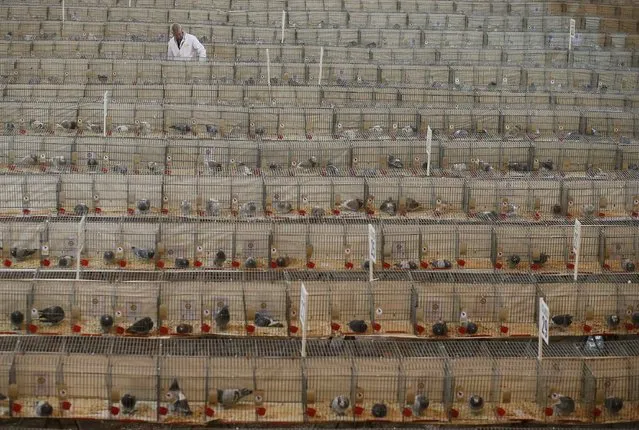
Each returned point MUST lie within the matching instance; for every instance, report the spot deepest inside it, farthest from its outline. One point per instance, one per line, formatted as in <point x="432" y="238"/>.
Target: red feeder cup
<point x="461" y="330"/>
<point x="503" y="329"/>
<point x="273" y="265"/>
<point x="302" y="212"/>
<point x="235" y="264"/>
<point x="407" y="412"/>
<point x="66" y="405"/>
<point x="454" y="413"/>
<point x="46" y="262"/>
<point x="26" y="212"/>
<point x="498" y="266"/>
<point x="335" y="326"/>
<point x="209" y="412"/>
<point x="424" y="264"/>
<point x="163" y="410"/>
<point x="261" y="411"/>
<point x="310" y="265"/>
<point x="61" y="211"/>
<point x="115" y="410"/>
<point x="206" y="328"/>
<point x="76" y="328"/>
<point x="336" y="212"/>
<point x="348" y="265"/>
<point x="548" y="412"/>
<point x="570" y="266"/>
<point x="501" y="412"/>
<point x="122" y="263"/>
<point x="358" y="410"/>
<point x="84" y="262"/>
<point x="377" y="326"/>
<point x="7" y="263"/>
<point x="310" y="412"/>
<point x="33" y="328"/>
<point x="587" y="328"/>
<point x="419" y="329"/>
<point x="17" y="407"/>
<point x="119" y="330"/>
<point x="160" y="264"/>
<point x="386" y="265"/>
<point x="197" y="263"/>
<point x="130" y="211"/>
<point x="461" y="263"/>
<point x="292" y="329"/>
<point x="596" y="412"/>
<point x="98" y="210"/>
<point x="250" y="328"/>
<point x="164" y="330"/>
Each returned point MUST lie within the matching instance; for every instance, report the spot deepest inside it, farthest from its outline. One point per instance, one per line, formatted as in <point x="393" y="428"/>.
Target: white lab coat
<point x="190" y="50"/>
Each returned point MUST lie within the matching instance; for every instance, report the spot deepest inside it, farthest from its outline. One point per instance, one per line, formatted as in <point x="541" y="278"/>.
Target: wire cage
<point x="6" y="363"/>
<point x="567" y="308"/>
<point x="51" y="308"/>
<point x="233" y="375"/>
<point x="93" y="305"/>
<point x="139" y="247"/>
<point x="135" y="311"/>
<point x="561" y="391"/>
<point x="376" y="390"/>
<point x="104" y="246"/>
<point x="516" y="388"/>
<point x="176" y="246"/>
<point x="472" y="392"/>
<point x="183" y="389"/>
<point x="278" y="390"/>
<point x="318" y="310"/>
<point x="82" y="387"/>
<point x="223" y="309"/>
<point x="400" y="247"/>
<point x="446" y="247"/>
<point x="356" y="248"/>
<point x="325" y="380"/>
<point x="394" y="306"/>
<point x="441" y="198"/>
<point x="33" y="386"/>
<point x="181" y="311"/>
<point x="620" y="249"/>
<point x="477" y="305"/>
<point x="315" y="198"/>
<point x="435" y="310"/>
<point x="251" y="246"/>
<point x="266" y="309"/>
<point x="133" y="393"/>
<point x="516" y="309"/>
<point x="424" y="378"/>
<point x="14" y="307"/>
<point x="351" y="308"/>
<point x="288" y="246"/>
<point x="610" y="384"/>
<point x="61" y="242"/>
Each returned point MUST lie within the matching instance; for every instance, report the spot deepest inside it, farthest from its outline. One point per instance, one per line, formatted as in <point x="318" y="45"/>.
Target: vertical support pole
<point x="429" y="147"/>
<point x="104" y="113"/>
<point x="63" y="12"/>
<point x="321" y="66"/>
<point x="283" y="25"/>
<point x="268" y="67"/>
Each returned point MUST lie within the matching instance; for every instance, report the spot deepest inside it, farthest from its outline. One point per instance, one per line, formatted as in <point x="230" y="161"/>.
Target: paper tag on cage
<point x="70" y="244"/>
<point x="399" y="250"/>
<point x="463" y="248"/>
<point x="249" y="249"/>
<point x="566" y="164"/>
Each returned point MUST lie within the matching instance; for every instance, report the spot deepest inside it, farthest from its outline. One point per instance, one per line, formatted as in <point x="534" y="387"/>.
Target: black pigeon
<point x="128" y="402"/>
<point x="143" y="205"/>
<point x="109" y="256"/>
<point x="43" y="409"/>
<point x="250" y="263"/>
<point x="613" y="404"/>
<point x="281" y="262"/>
<point x="476" y="403"/>
<point x="81" y="209"/>
<point x="17" y="317"/>
<point x="143" y="326"/>
<point x="65" y="261"/>
<point x="182" y="128"/>
<point x="220" y="258"/>
<point x="106" y="322"/>
<point x="440" y="329"/>
<point x="51" y="315"/>
<point x="635" y="318"/>
<point x="263" y="320"/>
<point x="379" y="410"/>
<point x="222" y="318"/>
<point x="514" y="260"/>
<point x="358" y="326"/>
<point x="562" y="320"/>
<point x="181" y="263"/>
<point x="184" y="329"/>
<point x="613" y="321"/>
<point x="471" y="328"/>
<point x="542" y="259"/>
<point x="143" y="253"/>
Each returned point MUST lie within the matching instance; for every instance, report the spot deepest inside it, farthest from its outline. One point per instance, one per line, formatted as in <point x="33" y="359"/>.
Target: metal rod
<point x="104" y="113"/>
<point x="283" y="24"/>
<point x="321" y="66"/>
<point x="63" y="12"/>
<point x="268" y="67"/>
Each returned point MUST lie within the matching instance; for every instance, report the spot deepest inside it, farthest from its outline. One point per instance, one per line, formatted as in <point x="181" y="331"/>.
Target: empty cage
<point x="318" y="310"/>
<point x="394" y="304"/>
<point x="516" y="309"/>
<point x="517" y="389"/>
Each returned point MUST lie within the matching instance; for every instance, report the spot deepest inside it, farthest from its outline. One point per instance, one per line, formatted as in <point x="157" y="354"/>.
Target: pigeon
<point x="628" y="265"/>
<point x="379" y="410"/>
<point x="143" y="205"/>
<point x="230" y="397"/>
<point x="411" y="204"/>
<point x="211" y="129"/>
<point x="358" y="326"/>
<point x="213" y="207"/>
<point x="22" y="254"/>
<point x="182" y="128"/>
<point x="43" y="409"/>
<point x="153" y="167"/>
<point x="17" y="318"/>
<point x="420" y="404"/>
<point x="3" y="397"/>
<point x="36" y="125"/>
<point x="222" y="318"/>
<point x="68" y="125"/>
<point x="388" y="206"/>
<point x="185" y="207"/>
<point x="613" y="404"/>
<point x="213" y="165"/>
<point x="250" y="263"/>
<point x="128" y="402"/>
<point x="353" y="205"/>
<point x="518" y="167"/>
<point x="471" y="328"/>
<point x="184" y="329"/>
<point x="613" y="321"/>
<point x="541" y="259"/>
<point x="547" y="165"/>
<point x="513" y="261"/>
<point x="274" y="166"/>
<point x="460" y="134"/>
<point x="635" y="318"/>
<point x="106" y="322"/>
<point x="366" y="265"/>
<point x="142" y="326"/>
<point x="563" y="321"/>
<point x="282" y="261"/>
<point x="340" y="404"/>
<point x="50" y="315"/>
<point x="317" y="212"/>
<point x="394" y="162"/>
<point x="9" y="126"/>
<point x="263" y="320"/>
<point x="181" y="263"/>
<point x="220" y="258"/>
<point x="441" y="264"/>
<point x="243" y="169"/>
<point x="143" y="253"/>
<point x="556" y="209"/>
<point x="282" y="207"/>
<point x="475" y="403"/>
<point x="409" y="130"/>
<point x="440" y="328"/>
<point x="178" y="403"/>
<point x="407" y="265"/>
<point x="103" y="79"/>
<point x="81" y="209"/>
<point x="109" y="256"/>
<point x="564" y="405"/>
<point x="308" y="164"/>
<point x="331" y="169"/>
<point x="65" y="261"/>
<point x="260" y="131"/>
<point x="248" y="209"/>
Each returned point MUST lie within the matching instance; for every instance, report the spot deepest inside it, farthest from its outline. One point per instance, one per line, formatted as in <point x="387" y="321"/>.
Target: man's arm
<point x="199" y="48"/>
<point x="169" y="53"/>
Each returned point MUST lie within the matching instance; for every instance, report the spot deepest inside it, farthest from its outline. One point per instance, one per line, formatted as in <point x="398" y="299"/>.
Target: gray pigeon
<point x="143" y="205"/>
<point x="50" y="315"/>
<point x="317" y="212"/>
<point x="179" y="405"/>
<point x="263" y="320"/>
<point x="440" y="328"/>
<point x="65" y="261"/>
<point x="441" y="264"/>
<point x="213" y="207"/>
<point x="282" y="207"/>
<point x="211" y="129"/>
<point x="389" y="206"/>
<point x="185" y="207"/>
<point x="331" y="169"/>
<point x="22" y="254"/>
<point x="248" y="209"/>
<point x="353" y="205"/>
<point x="340" y="404"/>
<point x="475" y="403"/>
<point x="222" y="318"/>
<point x="220" y="258"/>
<point x="420" y="404"/>
<point x="308" y="164"/>
<point x="411" y="204"/>
<point x="614" y="405"/>
<point x="142" y="326"/>
<point x="358" y="326"/>
<point x="230" y="397"/>
<point x="613" y="321"/>
<point x="181" y="263"/>
<point x="394" y="162"/>
<point x="564" y="405"/>
<point x="182" y="128"/>
<point x="81" y="209"/>
<point x="142" y="253"/>
<point x="250" y="263"/>
<point x="109" y="256"/>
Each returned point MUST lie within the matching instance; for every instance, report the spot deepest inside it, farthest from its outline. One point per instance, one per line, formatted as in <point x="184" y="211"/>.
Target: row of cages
<point x="603" y="163"/>
<point x="41" y="75"/>
<point x="135" y="244"/>
<point x="260" y="95"/>
<point x="462" y="20"/>
<point x="563" y="124"/>
<point x="406" y="310"/>
<point x="244" y="389"/>
<point x="245" y="53"/>
<point x="344" y="37"/>
<point x="614" y="8"/>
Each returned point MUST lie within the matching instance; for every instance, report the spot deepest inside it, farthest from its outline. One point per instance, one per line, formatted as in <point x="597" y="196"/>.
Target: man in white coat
<point x="184" y="46"/>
